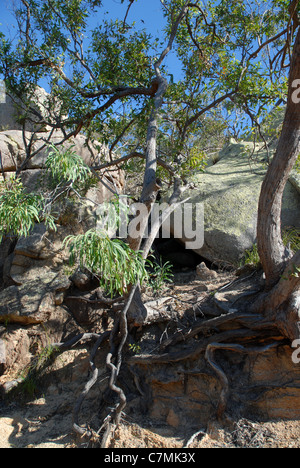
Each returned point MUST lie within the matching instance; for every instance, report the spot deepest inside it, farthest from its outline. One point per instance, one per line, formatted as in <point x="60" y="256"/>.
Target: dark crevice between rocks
<point x="7" y="247"/>
<point x="173" y="251"/>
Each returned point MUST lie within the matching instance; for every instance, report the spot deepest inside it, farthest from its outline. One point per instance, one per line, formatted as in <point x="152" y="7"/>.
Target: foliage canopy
<point x="229" y="53"/>
<point x="20" y="210"/>
<point x="110" y="82"/>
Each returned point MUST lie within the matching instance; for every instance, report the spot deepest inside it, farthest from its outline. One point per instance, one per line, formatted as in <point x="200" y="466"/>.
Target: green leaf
<point x="19" y="210"/>
<point x="111" y="260"/>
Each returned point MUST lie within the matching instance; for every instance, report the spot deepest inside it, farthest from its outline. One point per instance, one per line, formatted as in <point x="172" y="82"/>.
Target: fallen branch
<point x="195" y="349"/>
<point x="99" y="301"/>
<point x="73" y="341"/>
<point x="242" y="319"/>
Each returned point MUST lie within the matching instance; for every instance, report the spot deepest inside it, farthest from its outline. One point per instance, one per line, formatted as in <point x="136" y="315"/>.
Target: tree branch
<point x="134" y="154"/>
<point x="175" y="26"/>
<point x="27" y="22"/>
<point x="117" y="91"/>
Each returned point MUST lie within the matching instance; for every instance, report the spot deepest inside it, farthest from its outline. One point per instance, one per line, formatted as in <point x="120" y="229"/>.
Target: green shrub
<point x="65" y="165"/>
<point x="251" y="257"/>
<point x="160" y="275"/>
<point x="20" y="211"/>
<point x="112" y="260"/>
<point x="290" y="238"/>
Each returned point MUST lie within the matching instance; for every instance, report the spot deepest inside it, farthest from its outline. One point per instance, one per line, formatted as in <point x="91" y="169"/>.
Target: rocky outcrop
<point x="295" y="180"/>
<point x="34" y="271"/>
<point x="16" y="113"/>
<point x="32" y="317"/>
<point x="41" y="252"/>
<point x="230" y="192"/>
<point x="24" y="140"/>
<point x="36" y="279"/>
<point x="33" y="293"/>
<point x="267" y="390"/>
<point x="33" y="175"/>
<point x="14" y="153"/>
<point x="34" y="302"/>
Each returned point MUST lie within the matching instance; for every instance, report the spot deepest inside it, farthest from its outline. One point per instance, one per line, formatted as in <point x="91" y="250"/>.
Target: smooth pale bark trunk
<point x="273" y="254"/>
<point x="137" y="310"/>
<point x="137" y="313"/>
<point x="150" y="185"/>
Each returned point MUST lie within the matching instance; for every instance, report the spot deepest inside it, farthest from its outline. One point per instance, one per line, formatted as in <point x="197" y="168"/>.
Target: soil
<point x="40" y="416"/>
<point x="45" y="423"/>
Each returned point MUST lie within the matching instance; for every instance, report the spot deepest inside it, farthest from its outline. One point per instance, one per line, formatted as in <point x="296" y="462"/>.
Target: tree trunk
<point x="281" y="301"/>
<point x="273" y="254"/>
<point x="150" y="185"/>
<point x="282" y="304"/>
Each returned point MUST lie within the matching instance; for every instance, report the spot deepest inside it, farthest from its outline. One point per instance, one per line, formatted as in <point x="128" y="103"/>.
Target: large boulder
<point x="13" y="155"/>
<point x="229" y="190"/>
<point x="23" y="127"/>
<point x="40" y="255"/>
<point x="35" y="275"/>
<point x="35" y="301"/>
<point x="295" y="180"/>
<point x="29" y="112"/>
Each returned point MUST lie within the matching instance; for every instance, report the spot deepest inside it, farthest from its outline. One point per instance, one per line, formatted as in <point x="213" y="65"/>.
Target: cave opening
<point x="173" y="251"/>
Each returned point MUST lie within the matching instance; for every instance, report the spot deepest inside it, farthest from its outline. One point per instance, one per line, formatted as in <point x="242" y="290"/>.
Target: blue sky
<point x="147" y="14"/>
<point x="6" y="18"/>
<point x="149" y="11"/>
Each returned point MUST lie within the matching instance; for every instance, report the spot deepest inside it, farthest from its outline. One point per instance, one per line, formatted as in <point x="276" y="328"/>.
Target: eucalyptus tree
<point x="112" y="80"/>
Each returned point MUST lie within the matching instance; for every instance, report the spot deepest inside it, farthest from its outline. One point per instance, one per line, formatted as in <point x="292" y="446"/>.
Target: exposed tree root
<point x="223" y="328"/>
<point x="209" y="355"/>
<point x="282" y="303"/>
<point x="238" y="332"/>
<point x="91" y="382"/>
<point x="100" y="301"/>
<point x="75" y="340"/>
<point x="231" y="320"/>
<point x="120" y="328"/>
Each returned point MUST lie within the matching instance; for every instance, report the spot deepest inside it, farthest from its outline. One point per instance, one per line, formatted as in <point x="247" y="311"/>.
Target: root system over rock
<point x="199" y="366"/>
